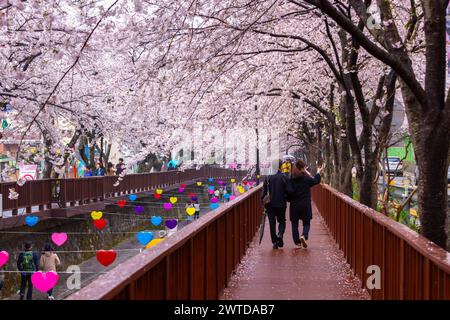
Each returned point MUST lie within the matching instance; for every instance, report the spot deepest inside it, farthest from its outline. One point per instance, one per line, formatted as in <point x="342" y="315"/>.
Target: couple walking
<point x="278" y="190"/>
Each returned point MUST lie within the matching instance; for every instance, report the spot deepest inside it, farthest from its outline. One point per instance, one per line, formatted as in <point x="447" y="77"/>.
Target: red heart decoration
<point x="106" y="257"/>
<point x="100" y="224"/>
<point x="183" y="185"/>
<point x="157" y="196"/>
<point x="191" y="194"/>
<point x="244" y="183"/>
<point x="121" y="203"/>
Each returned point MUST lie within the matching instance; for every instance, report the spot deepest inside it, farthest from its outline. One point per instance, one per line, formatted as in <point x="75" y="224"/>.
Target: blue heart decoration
<point x="194" y="198"/>
<point x="226" y="196"/>
<point x="31" y="220"/>
<point x="211" y="187"/>
<point x="210" y="179"/>
<point x="132" y="197"/>
<point x="145" y="237"/>
<point x="214" y="205"/>
<point x="156" y="220"/>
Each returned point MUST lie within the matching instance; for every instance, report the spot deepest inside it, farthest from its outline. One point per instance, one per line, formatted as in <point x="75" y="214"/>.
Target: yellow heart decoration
<point x="96" y="215"/>
<point x="199" y="183"/>
<point x="153" y="243"/>
<point x="173" y="200"/>
<point x="159" y="191"/>
<point x="233" y="180"/>
<point x="241" y="189"/>
<point x="190" y="211"/>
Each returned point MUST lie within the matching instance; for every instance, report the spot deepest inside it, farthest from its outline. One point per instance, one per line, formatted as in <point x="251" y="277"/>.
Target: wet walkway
<point x="292" y="273"/>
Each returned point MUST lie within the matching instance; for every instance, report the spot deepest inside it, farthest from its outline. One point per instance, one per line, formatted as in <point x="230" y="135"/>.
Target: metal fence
<point x="71" y="192"/>
<point x="411" y="266"/>
<point x="195" y="263"/>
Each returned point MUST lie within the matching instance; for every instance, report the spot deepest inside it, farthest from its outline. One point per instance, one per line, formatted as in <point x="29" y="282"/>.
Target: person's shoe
<point x="275" y="245"/>
<point x="298" y="244"/>
<point x="280" y="242"/>
<point x="303" y="242"/>
<point x="51" y="298"/>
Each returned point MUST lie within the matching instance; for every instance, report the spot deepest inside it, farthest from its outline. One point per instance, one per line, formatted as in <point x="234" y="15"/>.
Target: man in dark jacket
<point x="120" y="167"/>
<point x="276" y="185"/>
<point x="27" y="263"/>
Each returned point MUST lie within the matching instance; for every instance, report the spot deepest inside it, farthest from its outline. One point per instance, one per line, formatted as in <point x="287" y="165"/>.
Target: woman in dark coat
<point x="299" y="195"/>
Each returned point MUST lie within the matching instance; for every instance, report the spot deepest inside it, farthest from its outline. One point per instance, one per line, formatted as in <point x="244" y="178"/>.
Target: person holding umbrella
<point x="274" y="196"/>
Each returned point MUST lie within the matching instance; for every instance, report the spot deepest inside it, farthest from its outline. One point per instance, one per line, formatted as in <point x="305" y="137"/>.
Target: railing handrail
<point x="108" y="285"/>
<point x="426" y="247"/>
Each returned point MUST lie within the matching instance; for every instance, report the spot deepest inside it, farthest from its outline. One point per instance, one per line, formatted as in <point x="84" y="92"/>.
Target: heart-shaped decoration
<point x="31" y="220"/>
<point x="244" y="183"/>
<point x="232" y="180"/>
<point x="44" y="281"/>
<point x="194" y="198"/>
<point x="173" y="200"/>
<point x="157" y="196"/>
<point x="232" y="197"/>
<point x="183" y="185"/>
<point x="190" y="210"/>
<point x="100" y="224"/>
<point x="59" y="238"/>
<point x="210" y="179"/>
<point x="180" y="190"/>
<point x="191" y="194"/>
<point x="145" y="237"/>
<point x="214" y="200"/>
<point x="211" y="187"/>
<point x="251" y="183"/>
<point x="132" y="197"/>
<point x="156" y="220"/>
<point x="159" y="191"/>
<point x="96" y="215"/>
<point x="121" y="203"/>
<point x="167" y="206"/>
<point x="171" y="223"/>
<point x="106" y="257"/>
<point x="220" y="182"/>
<point x="199" y="183"/>
<point x="139" y="209"/>
<point x="211" y="191"/>
<point x="241" y="189"/>
<point x="4" y="256"/>
<point x="153" y="243"/>
<point x="226" y="196"/>
<point x="214" y="206"/>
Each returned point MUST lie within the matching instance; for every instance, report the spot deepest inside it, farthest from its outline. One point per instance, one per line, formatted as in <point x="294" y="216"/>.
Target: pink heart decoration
<point x="59" y="238"/>
<point x="214" y="200"/>
<point x="220" y="182"/>
<point x="250" y="183"/>
<point x="4" y="256"/>
<point x="211" y="191"/>
<point x="180" y="190"/>
<point x="167" y="206"/>
<point x="232" y="197"/>
<point x="44" y="281"/>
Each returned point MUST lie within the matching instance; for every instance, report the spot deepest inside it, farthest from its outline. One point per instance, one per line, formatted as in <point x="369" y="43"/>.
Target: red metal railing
<point x="41" y="193"/>
<point x="195" y="263"/>
<point x="411" y="266"/>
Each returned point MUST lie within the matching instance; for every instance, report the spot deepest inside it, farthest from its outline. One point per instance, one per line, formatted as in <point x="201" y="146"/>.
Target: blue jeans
<point x="25" y="281"/>
<point x="306" y="227"/>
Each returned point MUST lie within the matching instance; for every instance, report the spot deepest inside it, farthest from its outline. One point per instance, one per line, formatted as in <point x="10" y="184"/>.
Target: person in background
<point x="197" y="210"/>
<point x="48" y="262"/>
<point x="27" y="263"/>
<point x="110" y="170"/>
<point x="189" y="204"/>
<point x="99" y="170"/>
<point x="88" y="172"/>
<point x="299" y="195"/>
<point x="120" y="167"/>
<point x="224" y="193"/>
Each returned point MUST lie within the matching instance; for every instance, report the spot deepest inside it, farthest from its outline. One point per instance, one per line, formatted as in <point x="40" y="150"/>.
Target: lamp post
<point x="257" y="171"/>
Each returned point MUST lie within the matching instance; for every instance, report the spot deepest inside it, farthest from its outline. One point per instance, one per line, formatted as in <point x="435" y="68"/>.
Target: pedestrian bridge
<point x="218" y="257"/>
<point x="354" y="252"/>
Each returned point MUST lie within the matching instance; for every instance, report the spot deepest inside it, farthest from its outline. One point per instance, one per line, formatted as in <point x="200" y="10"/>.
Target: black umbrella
<point x="262" y="225"/>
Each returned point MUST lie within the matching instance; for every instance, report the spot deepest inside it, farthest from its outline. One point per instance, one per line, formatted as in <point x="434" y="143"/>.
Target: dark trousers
<point x="25" y="280"/>
<point x="196" y="215"/>
<point x="50" y="292"/>
<point x="306" y="227"/>
<point x="276" y="215"/>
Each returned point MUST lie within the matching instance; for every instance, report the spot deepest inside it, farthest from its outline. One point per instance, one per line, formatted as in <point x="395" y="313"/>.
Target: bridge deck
<point x="292" y="273"/>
